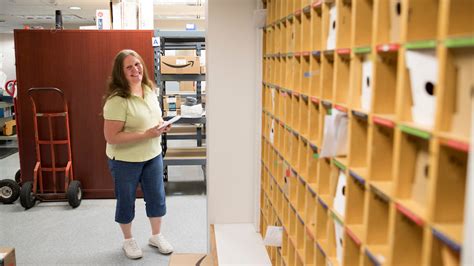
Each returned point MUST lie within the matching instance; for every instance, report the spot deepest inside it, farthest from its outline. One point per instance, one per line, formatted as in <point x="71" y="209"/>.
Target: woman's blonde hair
<point x="117" y="83"/>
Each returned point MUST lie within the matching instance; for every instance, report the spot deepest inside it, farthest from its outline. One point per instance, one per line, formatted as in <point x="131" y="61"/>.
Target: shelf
<point x="358" y="143"/>
<point x="355" y="207"/>
<point x="388" y="21"/>
<point x="458" y="18"/>
<point x="361" y="82"/>
<point x="444" y="251"/>
<point x="423" y="19"/>
<point x="352" y="250"/>
<point x="327" y="70"/>
<point x="377" y="254"/>
<point x="384" y="83"/>
<point x="381" y="158"/>
<point x="407" y="241"/>
<point x="451" y="234"/>
<point x="341" y="79"/>
<point x="362" y="28"/>
<point x="182" y="77"/>
<point x="188" y="120"/>
<point x="185" y="156"/>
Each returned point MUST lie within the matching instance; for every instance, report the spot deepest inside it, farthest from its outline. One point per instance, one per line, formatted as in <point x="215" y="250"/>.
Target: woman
<point x="132" y="116"/>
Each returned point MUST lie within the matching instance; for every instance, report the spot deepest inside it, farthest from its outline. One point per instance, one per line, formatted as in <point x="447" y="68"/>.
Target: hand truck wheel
<point x="9" y="191"/>
<point x="18" y="176"/>
<point x="74" y="193"/>
<point x="27" y="198"/>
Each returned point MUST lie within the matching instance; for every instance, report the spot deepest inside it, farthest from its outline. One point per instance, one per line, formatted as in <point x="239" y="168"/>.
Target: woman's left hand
<point x="167" y="129"/>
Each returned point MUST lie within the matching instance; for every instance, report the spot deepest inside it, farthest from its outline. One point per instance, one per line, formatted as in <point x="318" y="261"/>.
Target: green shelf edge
<point x="459" y="42"/>
<point x="362" y="50"/>
<point x="339" y="165"/>
<point x="414" y="131"/>
<point x="428" y="44"/>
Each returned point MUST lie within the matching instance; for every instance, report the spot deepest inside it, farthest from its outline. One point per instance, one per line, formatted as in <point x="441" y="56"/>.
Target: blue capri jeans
<point x="126" y="177"/>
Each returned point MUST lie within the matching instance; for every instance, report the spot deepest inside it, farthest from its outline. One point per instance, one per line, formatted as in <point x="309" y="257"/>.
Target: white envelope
<point x="423" y="69"/>
<point x="272" y="131"/>
<point x="331" y="38"/>
<point x="339" y="228"/>
<point x="366" y="88"/>
<point x="340" y="197"/>
<point x="274" y="236"/>
<point x="335" y="135"/>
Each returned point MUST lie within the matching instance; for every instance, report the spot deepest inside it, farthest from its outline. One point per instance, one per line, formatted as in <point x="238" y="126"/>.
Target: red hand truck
<point x="72" y="188"/>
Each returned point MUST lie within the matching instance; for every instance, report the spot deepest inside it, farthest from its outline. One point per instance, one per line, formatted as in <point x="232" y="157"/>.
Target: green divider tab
<point x="339" y="165"/>
<point x="362" y="50"/>
<point x="460" y="42"/>
<point x="315" y="156"/>
<point x="336" y="218"/>
<point x="429" y="44"/>
<point x="415" y="132"/>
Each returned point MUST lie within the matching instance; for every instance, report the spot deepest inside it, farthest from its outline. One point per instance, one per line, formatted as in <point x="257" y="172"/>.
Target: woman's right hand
<point x="155" y="132"/>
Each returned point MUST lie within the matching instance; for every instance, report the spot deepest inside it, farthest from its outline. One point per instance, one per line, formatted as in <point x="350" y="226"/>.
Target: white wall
<point x="7" y="48"/>
<point x="231" y="111"/>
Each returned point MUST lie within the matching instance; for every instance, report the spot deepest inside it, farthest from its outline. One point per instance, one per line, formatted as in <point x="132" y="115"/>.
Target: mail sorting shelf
<point x="170" y="40"/>
<point x="390" y="200"/>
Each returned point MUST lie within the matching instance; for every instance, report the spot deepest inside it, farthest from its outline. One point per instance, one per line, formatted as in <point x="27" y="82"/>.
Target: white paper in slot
<point x="273" y="100"/>
<point x="423" y="69"/>
<point x="339" y="230"/>
<point x="335" y="135"/>
<point x="340" y="197"/>
<point x="331" y="38"/>
<point x="272" y="131"/>
<point x="366" y="88"/>
<point x="273" y="236"/>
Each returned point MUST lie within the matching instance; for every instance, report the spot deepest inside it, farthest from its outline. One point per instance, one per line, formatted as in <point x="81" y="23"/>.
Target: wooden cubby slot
<point x="443" y="252"/>
<point x="298" y="73"/>
<point x="278" y="33"/>
<point x="352" y="251"/>
<point x="285" y="213"/>
<point x="309" y="250"/>
<point x="289" y="74"/>
<point x="362" y="23"/>
<point x="298" y="34"/>
<point x="279" y="68"/>
<point x="324" y="177"/>
<point x="321" y="225"/>
<point x="306" y="31"/>
<point x="412" y="171"/>
<point x="320" y="255"/>
<point x="291" y="252"/>
<point x="325" y="109"/>
<point x="341" y="78"/>
<point x="300" y="202"/>
<point x="385" y="83"/>
<point x="335" y="240"/>
<point x="344" y="22"/>
<point x="311" y="205"/>
<point x="378" y="217"/>
<point x="291" y="37"/>
<point x="355" y="209"/>
<point x="418" y="87"/>
<point x="422" y="20"/>
<point x="459" y="18"/>
<point x="457" y="83"/>
<point x="285" y="246"/>
<point x="449" y="196"/>
<point x="358" y="144"/>
<point x="294" y="123"/>
<point x="306" y="72"/>
<point x="361" y="81"/>
<point x="293" y="155"/>
<point x="293" y="221"/>
<point x="313" y="159"/>
<point x="304" y="116"/>
<point x="293" y="186"/>
<point x="300" y="237"/>
<point x="315" y="75"/>
<point x="381" y="158"/>
<point x="330" y="25"/>
<point x="303" y="159"/>
<point x="283" y="40"/>
<point x="316" y="28"/>
<point x="287" y="102"/>
<point x="314" y="125"/>
<point x="387" y="21"/>
<point x="327" y="71"/>
<point x="407" y="241"/>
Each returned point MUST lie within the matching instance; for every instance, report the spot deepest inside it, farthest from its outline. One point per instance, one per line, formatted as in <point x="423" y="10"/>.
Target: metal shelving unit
<point x="181" y="40"/>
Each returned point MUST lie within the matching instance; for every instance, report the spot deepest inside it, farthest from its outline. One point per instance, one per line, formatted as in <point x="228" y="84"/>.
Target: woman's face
<point x="133" y="70"/>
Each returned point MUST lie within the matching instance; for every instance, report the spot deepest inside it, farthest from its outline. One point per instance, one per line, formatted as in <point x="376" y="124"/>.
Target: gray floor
<point x="55" y="234"/>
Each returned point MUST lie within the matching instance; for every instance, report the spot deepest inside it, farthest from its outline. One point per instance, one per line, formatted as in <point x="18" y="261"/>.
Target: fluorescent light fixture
<point x="75" y="7"/>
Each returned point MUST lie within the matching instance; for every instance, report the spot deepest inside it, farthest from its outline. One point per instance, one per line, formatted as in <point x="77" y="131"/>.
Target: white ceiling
<point x="15" y="14"/>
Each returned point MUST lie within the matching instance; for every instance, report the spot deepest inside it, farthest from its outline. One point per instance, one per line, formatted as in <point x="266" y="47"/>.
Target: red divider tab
<point x="383" y="122"/>
<point x="353" y="236"/>
<point x="457" y="145"/>
<point x="341" y="108"/>
<point x="298" y="12"/>
<point x="343" y="51"/>
<point x="316" y="3"/>
<point x="297" y="54"/>
<point x="391" y="47"/>
<point x="306" y="53"/>
<point x="314" y="99"/>
<point x="410" y="215"/>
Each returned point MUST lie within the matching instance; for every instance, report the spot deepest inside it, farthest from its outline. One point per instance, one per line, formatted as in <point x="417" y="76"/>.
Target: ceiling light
<point x="75" y="8"/>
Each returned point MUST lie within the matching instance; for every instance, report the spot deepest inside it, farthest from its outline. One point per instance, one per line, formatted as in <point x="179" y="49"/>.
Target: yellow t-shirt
<point x="139" y="114"/>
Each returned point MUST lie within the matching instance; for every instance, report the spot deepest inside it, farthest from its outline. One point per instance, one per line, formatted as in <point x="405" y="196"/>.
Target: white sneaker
<point x="131" y="248"/>
<point x="159" y="241"/>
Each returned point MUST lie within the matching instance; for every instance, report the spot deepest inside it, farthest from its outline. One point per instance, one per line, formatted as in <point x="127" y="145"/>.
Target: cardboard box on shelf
<point x="172" y="112"/>
<point x="187" y="86"/>
<point x="9" y="128"/>
<point x="7" y="256"/>
<point x="180" y="65"/>
<point x="190" y="259"/>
